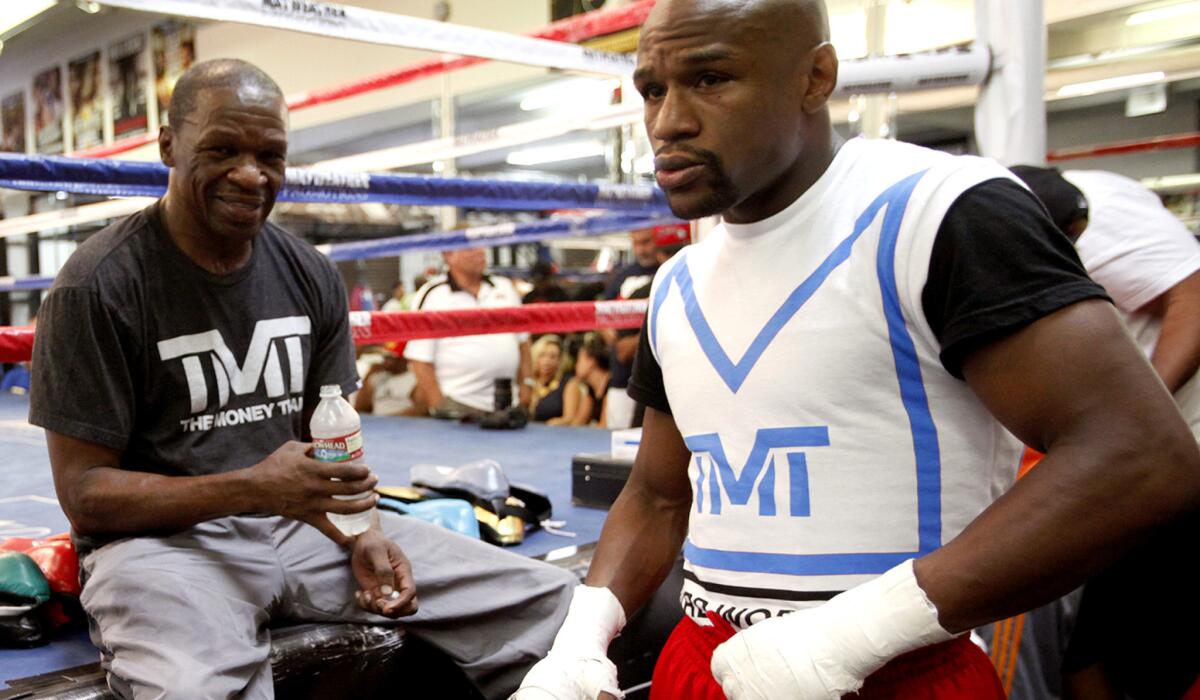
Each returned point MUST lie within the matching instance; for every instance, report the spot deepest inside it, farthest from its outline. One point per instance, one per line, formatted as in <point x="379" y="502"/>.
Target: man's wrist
<point x="594" y="618"/>
<point x="246" y="494"/>
<point x="871" y="624"/>
<point x="830" y="650"/>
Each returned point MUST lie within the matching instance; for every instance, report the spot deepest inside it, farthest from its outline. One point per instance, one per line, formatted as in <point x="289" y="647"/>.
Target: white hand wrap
<point x="829" y="651"/>
<point x="577" y="667"/>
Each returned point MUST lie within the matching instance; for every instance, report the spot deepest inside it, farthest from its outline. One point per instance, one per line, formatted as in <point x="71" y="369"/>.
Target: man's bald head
<point x="736" y="102"/>
<point x="801" y="24"/>
<point x="245" y="79"/>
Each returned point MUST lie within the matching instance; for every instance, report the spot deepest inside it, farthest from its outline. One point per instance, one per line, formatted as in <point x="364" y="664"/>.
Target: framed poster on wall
<point x="127" y="86"/>
<point x="87" y="101"/>
<point x="12" y="123"/>
<point x="48" y="111"/>
<point x="173" y="46"/>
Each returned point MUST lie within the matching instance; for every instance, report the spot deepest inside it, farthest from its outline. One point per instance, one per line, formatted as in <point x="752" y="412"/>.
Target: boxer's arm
<point x="645" y="528"/>
<point x="102" y="499"/>
<point x="640" y="542"/>
<point x="1119" y="461"/>
<point x="1176" y="355"/>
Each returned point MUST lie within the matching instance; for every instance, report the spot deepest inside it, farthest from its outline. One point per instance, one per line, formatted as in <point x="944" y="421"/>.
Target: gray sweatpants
<point x="186" y="615"/>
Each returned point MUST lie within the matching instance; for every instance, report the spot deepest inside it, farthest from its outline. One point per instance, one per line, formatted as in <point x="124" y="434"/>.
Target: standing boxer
<point x="833" y="380"/>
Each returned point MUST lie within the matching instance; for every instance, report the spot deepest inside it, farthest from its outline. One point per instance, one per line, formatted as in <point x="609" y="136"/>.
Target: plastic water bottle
<point x="337" y="437"/>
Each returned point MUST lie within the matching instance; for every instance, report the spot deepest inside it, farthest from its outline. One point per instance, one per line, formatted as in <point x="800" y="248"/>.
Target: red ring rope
<point x="372" y="327"/>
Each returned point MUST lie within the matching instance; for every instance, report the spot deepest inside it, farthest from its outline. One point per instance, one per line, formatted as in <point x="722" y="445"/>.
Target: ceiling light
<point x="570" y="93"/>
<point x="1109" y="84"/>
<point x="553" y="154"/>
<point x="88" y="6"/>
<point x="1161" y="13"/>
<point x="14" y="13"/>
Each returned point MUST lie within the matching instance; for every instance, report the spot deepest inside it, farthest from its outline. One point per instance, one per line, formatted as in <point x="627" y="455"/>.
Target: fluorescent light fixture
<point x="14" y="13"/>
<point x="541" y="155"/>
<point x="570" y="94"/>
<point x="1109" y="84"/>
<point x="1161" y="13"/>
<point x="88" y="6"/>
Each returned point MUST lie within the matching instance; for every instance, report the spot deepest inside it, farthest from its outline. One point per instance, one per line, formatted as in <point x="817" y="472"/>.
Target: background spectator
<point x="387" y="387"/>
<point x="456" y="375"/>
<point x="622" y="411"/>
<point x="584" y="395"/>
<point x="545" y="288"/>
<point x="637" y="273"/>
<point x="396" y="301"/>
<point x="549" y="379"/>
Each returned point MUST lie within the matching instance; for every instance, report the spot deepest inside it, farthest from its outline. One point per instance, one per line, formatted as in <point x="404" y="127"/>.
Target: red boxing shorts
<point x="954" y="670"/>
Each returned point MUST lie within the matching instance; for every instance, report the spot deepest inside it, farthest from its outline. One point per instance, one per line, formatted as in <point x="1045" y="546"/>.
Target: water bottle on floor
<point x="337" y="437"/>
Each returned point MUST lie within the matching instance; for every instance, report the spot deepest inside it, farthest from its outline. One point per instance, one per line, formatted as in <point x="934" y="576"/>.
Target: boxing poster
<point x="173" y="45"/>
<point x="12" y="123"/>
<point x="48" y="111"/>
<point x="87" y="101"/>
<point x="127" y="86"/>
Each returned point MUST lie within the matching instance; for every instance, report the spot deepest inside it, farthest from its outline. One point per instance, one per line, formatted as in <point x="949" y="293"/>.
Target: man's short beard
<point x="723" y="195"/>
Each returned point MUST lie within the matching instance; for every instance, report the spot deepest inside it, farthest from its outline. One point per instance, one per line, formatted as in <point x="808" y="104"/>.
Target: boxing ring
<point x="537" y="455"/>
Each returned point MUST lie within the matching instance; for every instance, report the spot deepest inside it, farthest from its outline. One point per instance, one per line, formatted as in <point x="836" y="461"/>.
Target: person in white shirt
<point x="1146" y="259"/>
<point x="1149" y="263"/>
<point x="457" y="375"/>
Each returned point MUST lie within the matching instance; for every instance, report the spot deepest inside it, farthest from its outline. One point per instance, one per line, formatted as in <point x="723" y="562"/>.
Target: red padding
<point x="1157" y="143"/>
<point x="16" y="344"/>
<point x="371" y="327"/>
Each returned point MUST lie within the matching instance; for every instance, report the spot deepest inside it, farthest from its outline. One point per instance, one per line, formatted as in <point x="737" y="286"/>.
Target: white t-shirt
<point x="1137" y="250"/>
<point x="467" y="366"/>
<point x="393" y="393"/>
<point x="828" y="441"/>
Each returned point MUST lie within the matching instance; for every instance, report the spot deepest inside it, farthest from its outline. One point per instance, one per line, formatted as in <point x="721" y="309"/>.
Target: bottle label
<point x="339" y="449"/>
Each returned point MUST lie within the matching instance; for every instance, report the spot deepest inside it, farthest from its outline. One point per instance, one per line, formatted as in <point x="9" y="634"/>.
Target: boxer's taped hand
<point x="828" y="651"/>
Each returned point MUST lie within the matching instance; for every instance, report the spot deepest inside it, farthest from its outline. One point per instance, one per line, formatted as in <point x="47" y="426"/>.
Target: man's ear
<point x="822" y="77"/>
<point x="166" y="146"/>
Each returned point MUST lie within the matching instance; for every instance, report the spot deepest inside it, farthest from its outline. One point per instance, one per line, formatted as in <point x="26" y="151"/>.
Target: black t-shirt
<point x="998" y="264"/>
<point x="551" y="405"/>
<point x="628" y="279"/>
<point x="549" y="294"/>
<point x="184" y="372"/>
